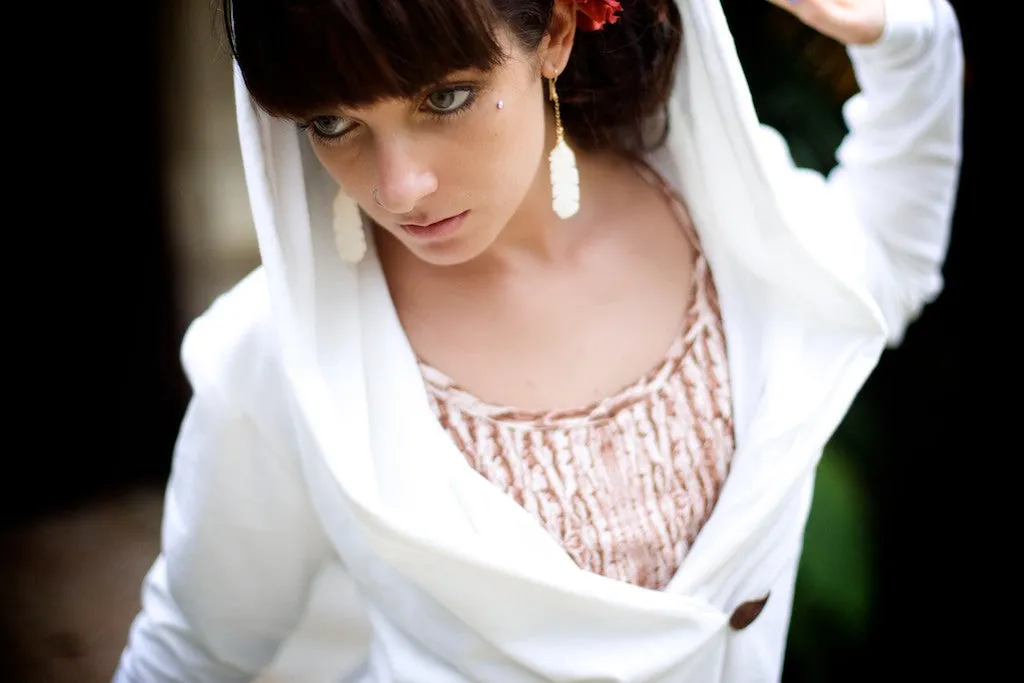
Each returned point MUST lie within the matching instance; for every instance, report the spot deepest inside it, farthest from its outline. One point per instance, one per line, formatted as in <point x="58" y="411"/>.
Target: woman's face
<point x="468" y="150"/>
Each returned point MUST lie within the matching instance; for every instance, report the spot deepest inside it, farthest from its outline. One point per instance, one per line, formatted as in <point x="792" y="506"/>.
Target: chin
<point x="459" y="249"/>
<point x="449" y="253"/>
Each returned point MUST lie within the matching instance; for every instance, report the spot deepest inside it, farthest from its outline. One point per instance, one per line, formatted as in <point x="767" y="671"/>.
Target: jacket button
<point x="745" y="614"/>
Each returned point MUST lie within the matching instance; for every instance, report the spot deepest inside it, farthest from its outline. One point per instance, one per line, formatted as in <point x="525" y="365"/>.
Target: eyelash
<point x="308" y="128"/>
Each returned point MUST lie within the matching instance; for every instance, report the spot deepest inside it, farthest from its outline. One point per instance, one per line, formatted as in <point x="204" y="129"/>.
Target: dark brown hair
<point x="298" y="57"/>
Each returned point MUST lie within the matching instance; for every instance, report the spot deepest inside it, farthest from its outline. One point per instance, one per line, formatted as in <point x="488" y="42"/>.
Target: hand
<point x="851" y="22"/>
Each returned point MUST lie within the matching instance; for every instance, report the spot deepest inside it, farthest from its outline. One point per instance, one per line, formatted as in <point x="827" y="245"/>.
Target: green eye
<point x="447" y="101"/>
<point x="329" y="126"/>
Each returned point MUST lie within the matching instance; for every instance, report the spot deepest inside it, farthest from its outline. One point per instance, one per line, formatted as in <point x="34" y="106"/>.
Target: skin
<point x="850" y="22"/>
<point x="519" y="307"/>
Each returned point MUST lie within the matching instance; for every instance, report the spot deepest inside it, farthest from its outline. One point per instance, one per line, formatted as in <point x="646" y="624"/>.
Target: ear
<point x="556" y="45"/>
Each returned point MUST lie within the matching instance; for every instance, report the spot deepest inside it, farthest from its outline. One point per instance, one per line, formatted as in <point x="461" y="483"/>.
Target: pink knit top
<point x="624" y="485"/>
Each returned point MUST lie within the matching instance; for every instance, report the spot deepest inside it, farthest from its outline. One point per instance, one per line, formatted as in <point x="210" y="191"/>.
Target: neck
<point x="535" y="233"/>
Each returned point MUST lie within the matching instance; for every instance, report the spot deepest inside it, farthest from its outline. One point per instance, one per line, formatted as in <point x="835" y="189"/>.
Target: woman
<point x="437" y="436"/>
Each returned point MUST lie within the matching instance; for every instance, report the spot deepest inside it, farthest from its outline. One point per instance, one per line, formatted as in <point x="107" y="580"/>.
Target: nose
<point x="404" y="177"/>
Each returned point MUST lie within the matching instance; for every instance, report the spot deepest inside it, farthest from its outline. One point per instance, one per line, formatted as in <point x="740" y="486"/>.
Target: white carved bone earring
<point x="347" y="223"/>
<point x="565" y="177"/>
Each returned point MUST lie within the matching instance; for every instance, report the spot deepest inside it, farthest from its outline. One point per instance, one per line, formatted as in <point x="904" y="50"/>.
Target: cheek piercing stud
<point x="501" y="104"/>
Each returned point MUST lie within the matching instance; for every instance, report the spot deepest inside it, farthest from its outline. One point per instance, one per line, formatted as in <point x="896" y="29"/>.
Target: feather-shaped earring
<point x="565" y="177"/>
<point x="347" y="223"/>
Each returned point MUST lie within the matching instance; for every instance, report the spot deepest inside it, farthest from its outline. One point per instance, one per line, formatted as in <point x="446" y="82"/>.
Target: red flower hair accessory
<point x="592" y="15"/>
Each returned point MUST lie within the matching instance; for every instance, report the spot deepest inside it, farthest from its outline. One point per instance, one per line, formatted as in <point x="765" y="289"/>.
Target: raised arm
<point x="885" y="210"/>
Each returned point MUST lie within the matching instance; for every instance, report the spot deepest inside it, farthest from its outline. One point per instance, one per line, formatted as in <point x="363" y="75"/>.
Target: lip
<point x="438" y="229"/>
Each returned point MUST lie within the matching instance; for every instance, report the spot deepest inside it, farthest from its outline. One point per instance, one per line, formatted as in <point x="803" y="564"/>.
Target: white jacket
<point x="320" y="522"/>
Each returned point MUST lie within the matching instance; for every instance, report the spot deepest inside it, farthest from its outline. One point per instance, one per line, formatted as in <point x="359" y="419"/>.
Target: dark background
<point x="101" y="390"/>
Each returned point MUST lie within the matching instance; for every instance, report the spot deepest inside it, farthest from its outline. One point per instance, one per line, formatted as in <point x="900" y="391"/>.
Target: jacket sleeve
<point x="241" y="544"/>
<point x="884" y="213"/>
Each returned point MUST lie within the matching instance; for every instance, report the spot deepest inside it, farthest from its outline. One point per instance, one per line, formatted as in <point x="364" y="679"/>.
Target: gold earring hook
<point x="553" y="96"/>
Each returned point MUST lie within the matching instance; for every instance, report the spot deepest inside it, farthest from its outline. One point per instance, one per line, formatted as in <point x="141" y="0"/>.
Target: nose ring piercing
<point x="376" y="198"/>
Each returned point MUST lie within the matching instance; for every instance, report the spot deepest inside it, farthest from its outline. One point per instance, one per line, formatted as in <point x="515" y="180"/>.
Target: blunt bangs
<point x="301" y="57"/>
